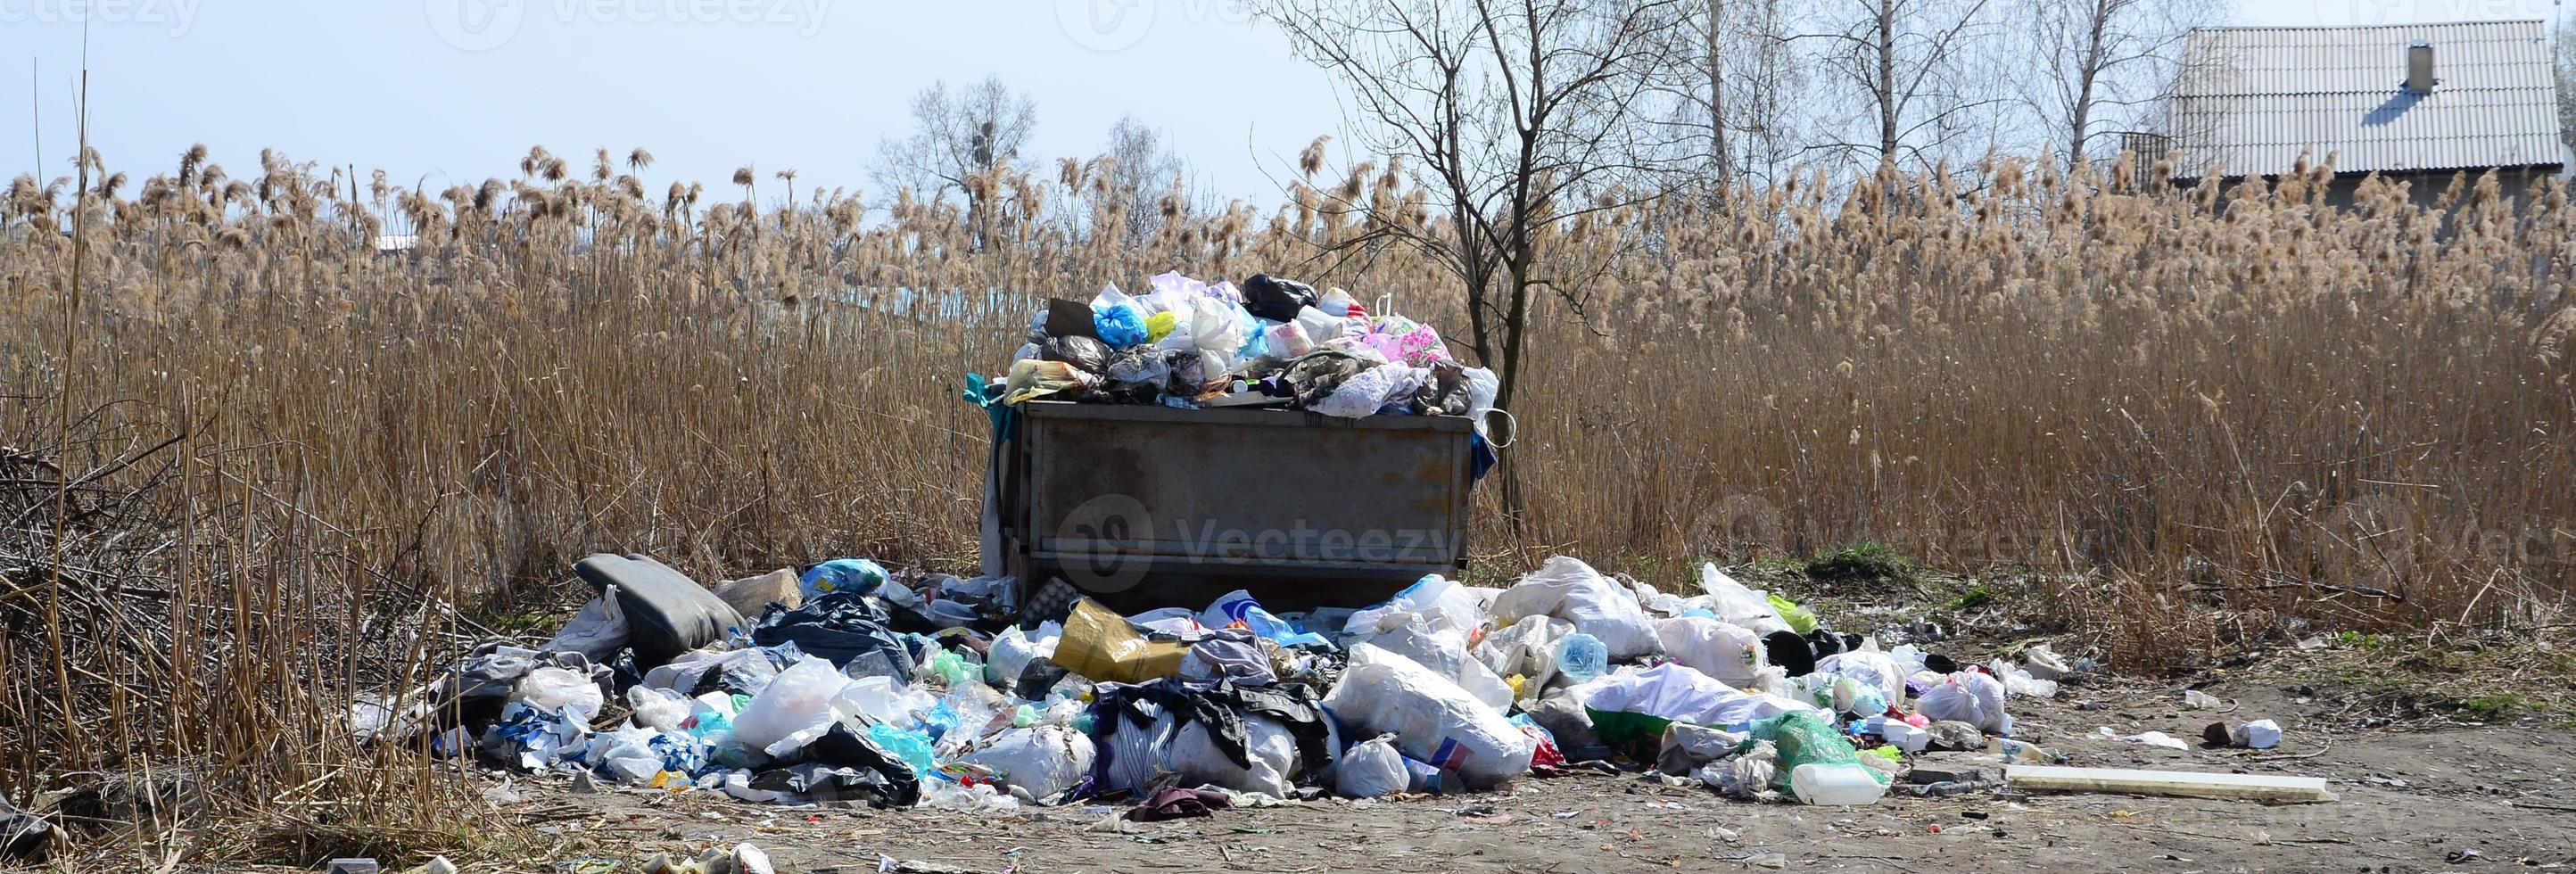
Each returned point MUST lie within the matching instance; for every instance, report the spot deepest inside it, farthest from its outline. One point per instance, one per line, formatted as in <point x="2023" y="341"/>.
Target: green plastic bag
<point x="1800" y="619"/>
<point x="1805" y="738"/>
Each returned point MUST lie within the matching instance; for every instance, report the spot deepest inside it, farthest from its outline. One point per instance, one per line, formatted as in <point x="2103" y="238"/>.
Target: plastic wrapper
<point x="1277" y="299"/>
<point x="1031" y="380"/>
<point x="1120" y="326"/>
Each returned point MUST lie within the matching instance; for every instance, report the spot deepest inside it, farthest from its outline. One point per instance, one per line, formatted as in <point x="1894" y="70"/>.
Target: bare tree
<point x="1735" y="81"/>
<point x="2101" y="64"/>
<point x="1907" y="63"/>
<point x="961" y="140"/>
<point x="1144" y="174"/>
<point x="1513" y="115"/>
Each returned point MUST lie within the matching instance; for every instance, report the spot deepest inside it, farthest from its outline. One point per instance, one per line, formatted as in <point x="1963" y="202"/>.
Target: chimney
<point x="2419" y="67"/>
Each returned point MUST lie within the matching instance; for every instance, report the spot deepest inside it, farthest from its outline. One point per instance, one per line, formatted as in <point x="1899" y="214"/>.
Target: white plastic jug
<point x="1846" y="785"/>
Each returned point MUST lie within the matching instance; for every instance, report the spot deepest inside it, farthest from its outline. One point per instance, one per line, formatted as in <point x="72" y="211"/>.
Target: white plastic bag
<point x="1433" y="720"/>
<point x="1445" y="653"/>
<point x="1371" y="768"/>
<point x="1527" y="648"/>
<point x="1013" y="649"/>
<point x="795" y="709"/>
<point x="598" y="631"/>
<point x="561" y="689"/>
<point x="1730" y="653"/>
<point x="657" y="709"/>
<point x="1970" y="697"/>
<point x="1442" y="602"/>
<point x="2020" y="682"/>
<point x="1195" y="756"/>
<point x="1869" y="666"/>
<point x="1568" y="589"/>
<point x="1045" y="760"/>
<point x="624" y="755"/>
<point x="880" y="700"/>
<point x="1738" y="604"/>
<point x="1361" y="395"/>
<point x="1677" y="693"/>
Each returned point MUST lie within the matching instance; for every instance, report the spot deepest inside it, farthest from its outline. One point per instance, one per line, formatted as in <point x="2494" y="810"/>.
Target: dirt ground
<point x="2417" y="793"/>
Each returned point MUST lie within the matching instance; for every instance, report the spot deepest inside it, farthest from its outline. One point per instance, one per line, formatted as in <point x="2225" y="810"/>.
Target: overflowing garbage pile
<point x="849" y="684"/>
<point x="1270" y="342"/>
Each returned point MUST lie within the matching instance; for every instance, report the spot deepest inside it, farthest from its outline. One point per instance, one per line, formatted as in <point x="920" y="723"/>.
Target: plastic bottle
<point x="2018" y="753"/>
<point x="1839" y="785"/>
<point x="1581" y="657"/>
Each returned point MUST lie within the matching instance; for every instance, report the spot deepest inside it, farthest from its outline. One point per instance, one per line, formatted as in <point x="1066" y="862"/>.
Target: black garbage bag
<point x="1277" y="299"/>
<point x="1222" y="706"/>
<point x="666" y="612"/>
<point x="858" y="764"/>
<point x="1038" y="678"/>
<point x="1085" y="353"/>
<point x="1066" y="318"/>
<point x="24" y="837"/>
<point x="818" y="781"/>
<point x="846" y="628"/>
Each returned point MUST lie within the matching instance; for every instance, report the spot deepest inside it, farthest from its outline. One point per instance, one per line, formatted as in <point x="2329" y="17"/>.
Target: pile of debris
<point x="1269" y="343"/>
<point x="856" y="685"/>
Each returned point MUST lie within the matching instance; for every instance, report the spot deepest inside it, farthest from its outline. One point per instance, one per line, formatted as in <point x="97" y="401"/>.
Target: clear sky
<point x="457" y="90"/>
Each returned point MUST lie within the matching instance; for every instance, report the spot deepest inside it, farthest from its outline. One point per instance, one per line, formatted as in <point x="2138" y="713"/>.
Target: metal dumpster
<point x="1143" y="507"/>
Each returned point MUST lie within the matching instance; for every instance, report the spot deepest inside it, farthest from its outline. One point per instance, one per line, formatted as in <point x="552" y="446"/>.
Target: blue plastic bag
<point x="1119" y="325"/>
<point x="842" y="575"/>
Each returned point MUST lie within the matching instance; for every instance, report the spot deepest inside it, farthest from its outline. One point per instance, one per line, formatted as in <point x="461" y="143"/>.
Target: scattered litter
<point x="2152" y="738"/>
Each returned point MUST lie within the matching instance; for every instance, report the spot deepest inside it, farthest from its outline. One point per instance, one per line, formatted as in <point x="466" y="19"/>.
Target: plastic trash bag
<point x="1870" y="666"/>
<point x="1635" y="705"/>
<point x="1970" y="697"/>
<point x="1813" y="754"/>
<point x="1119" y="325"/>
<point x="1434" y="721"/>
<point x="1568" y="589"/>
<point x="1842" y="694"/>
<point x="1318" y="326"/>
<point x="1444" y="652"/>
<point x="1735" y="603"/>
<point x="880" y="700"/>
<point x="843" y="628"/>
<point x="1686" y="748"/>
<point x="1526" y="648"/>
<point x="794" y="711"/>
<point x="2020" y="682"/>
<point x="1197" y="759"/>
<point x="597" y="632"/>
<point x="1363" y="395"/>
<point x="561" y="689"/>
<point x="1277" y="299"/>
<point x="1370" y="768"/>
<point x="743" y="670"/>
<point x="657" y="709"/>
<point x="1223" y="329"/>
<point x="1239" y="606"/>
<point x="635" y="755"/>
<point x="533" y="738"/>
<point x="1045" y="761"/>
<point x="854" y="575"/>
<point x="1730" y="653"/>
<point x="1013" y="649"/>
<point x="1799" y="619"/>
<point x="1133" y="757"/>
<point x="1287" y="340"/>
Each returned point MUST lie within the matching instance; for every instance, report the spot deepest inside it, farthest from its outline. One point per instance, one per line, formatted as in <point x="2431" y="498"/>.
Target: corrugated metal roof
<point x="2251" y="100"/>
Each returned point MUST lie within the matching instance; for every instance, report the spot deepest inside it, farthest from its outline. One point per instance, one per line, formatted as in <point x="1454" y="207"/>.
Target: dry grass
<point x="2213" y="412"/>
